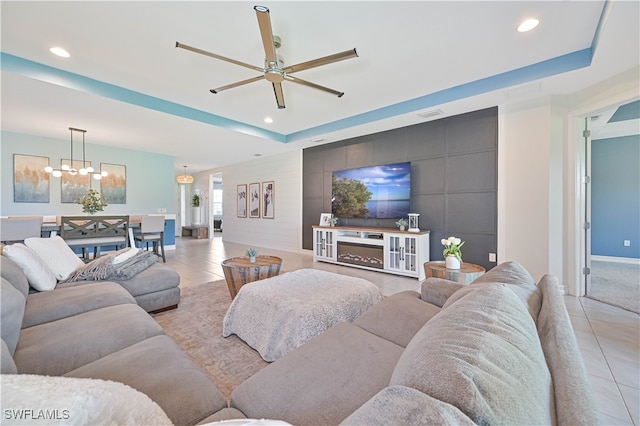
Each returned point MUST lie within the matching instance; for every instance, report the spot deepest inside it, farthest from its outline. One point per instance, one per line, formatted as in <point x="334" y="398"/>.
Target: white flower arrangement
<point x="452" y="246"/>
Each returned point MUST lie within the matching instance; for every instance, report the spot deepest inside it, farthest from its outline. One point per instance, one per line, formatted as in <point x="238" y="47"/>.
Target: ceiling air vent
<point x="432" y="113"/>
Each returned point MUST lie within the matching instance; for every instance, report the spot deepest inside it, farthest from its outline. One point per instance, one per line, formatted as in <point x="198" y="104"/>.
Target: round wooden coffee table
<point x="239" y="270"/>
<point x="467" y="272"/>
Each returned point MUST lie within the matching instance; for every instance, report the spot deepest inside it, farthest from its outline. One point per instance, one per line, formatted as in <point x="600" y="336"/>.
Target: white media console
<point x="378" y="249"/>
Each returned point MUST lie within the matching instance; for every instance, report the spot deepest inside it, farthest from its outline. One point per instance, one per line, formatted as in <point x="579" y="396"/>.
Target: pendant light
<point x="71" y="169"/>
<point x="185" y="178"/>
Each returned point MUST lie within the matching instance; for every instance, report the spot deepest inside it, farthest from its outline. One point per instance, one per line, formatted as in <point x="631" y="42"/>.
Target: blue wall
<point x="150" y="177"/>
<point x="615" y="196"/>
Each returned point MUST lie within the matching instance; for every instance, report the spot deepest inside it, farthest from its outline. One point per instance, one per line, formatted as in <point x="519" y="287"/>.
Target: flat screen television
<point x="374" y="192"/>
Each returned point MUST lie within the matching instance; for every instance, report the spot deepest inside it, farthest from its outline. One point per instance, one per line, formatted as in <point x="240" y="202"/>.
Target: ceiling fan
<point x="274" y="70"/>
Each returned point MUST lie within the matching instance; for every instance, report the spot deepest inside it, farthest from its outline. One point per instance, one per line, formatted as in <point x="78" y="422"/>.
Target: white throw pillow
<point x="56" y="254"/>
<point x="38" y="274"/>
<point x="126" y="255"/>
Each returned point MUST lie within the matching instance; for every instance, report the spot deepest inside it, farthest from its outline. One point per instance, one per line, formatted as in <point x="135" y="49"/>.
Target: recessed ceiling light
<point x="59" y="51"/>
<point x="318" y="139"/>
<point x="268" y="120"/>
<point x="528" y="25"/>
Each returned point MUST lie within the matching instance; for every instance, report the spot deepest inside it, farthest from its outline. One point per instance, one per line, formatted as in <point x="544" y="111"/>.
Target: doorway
<point x="216" y="208"/>
<point x="612" y="206"/>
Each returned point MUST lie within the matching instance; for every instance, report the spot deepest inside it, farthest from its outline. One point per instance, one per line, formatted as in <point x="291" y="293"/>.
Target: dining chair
<point x="16" y="229"/>
<point x="152" y="231"/>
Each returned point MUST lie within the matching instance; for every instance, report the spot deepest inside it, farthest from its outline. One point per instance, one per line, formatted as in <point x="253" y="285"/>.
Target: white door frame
<point x="577" y="244"/>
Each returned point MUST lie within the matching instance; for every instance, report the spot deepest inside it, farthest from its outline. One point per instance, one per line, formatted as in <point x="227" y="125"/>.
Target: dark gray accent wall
<point x="454" y="179"/>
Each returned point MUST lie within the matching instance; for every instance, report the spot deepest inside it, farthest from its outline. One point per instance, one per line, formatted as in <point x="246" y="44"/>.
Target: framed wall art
<point x="114" y="185"/>
<point x="268" y="199"/>
<point x="30" y="182"/>
<point x="254" y="200"/>
<point x="241" y="196"/>
<point x="73" y="187"/>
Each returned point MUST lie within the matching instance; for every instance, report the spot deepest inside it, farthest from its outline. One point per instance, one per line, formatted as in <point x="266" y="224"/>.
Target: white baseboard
<point x="613" y="259"/>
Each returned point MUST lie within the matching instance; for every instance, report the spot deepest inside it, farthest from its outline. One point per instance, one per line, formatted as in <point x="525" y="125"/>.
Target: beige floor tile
<point x="628" y="333"/>
<point x="631" y="398"/>
<point x="624" y="371"/>
<point x="580" y="323"/>
<point x="596" y="364"/>
<point x="612" y="421"/>
<point x="609" y="399"/>
<point x="619" y="348"/>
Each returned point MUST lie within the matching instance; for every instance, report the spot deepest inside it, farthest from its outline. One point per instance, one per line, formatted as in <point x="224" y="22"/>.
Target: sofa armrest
<point x="437" y="290"/>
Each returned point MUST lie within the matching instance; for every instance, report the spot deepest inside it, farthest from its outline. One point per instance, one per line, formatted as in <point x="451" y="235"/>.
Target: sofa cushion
<point x="482" y="354"/>
<point x="12" y="305"/>
<point x="56" y="254"/>
<point x="437" y="290"/>
<point x="322" y="381"/>
<point x="159" y="368"/>
<point x="575" y="403"/>
<point x="6" y="359"/>
<point x="38" y="274"/>
<point x="398" y="317"/>
<point x="68" y="401"/>
<point x="516" y="277"/>
<point x="400" y="405"/>
<point x="14" y="274"/>
<point x="157" y="277"/>
<point x="66" y="302"/>
<point x="57" y="347"/>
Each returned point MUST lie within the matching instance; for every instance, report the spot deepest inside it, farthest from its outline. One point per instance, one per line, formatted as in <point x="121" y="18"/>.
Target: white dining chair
<point x="16" y="229"/>
<point x="152" y="231"/>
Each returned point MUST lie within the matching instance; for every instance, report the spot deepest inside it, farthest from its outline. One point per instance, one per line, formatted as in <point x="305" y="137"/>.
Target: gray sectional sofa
<point x="499" y="351"/>
<point x="97" y="330"/>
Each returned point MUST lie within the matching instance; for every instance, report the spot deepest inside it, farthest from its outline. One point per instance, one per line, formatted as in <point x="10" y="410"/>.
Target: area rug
<point x="616" y="284"/>
<point x="197" y="327"/>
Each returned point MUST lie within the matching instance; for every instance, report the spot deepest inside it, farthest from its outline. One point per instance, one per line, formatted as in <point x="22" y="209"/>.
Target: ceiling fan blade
<point x="239" y="83"/>
<point x="314" y="85"/>
<point x="277" y="89"/>
<point x="222" y="58"/>
<point x="347" y="54"/>
<point x="264" y="22"/>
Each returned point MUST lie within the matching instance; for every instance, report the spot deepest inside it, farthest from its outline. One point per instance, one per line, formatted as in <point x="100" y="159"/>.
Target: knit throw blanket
<point x="103" y="268"/>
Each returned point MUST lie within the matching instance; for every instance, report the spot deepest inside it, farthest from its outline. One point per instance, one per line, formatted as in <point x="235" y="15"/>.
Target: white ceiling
<point x="410" y="56"/>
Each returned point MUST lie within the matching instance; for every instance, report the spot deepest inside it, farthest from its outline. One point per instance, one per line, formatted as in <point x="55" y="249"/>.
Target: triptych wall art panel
<point x="260" y="200"/>
<point x="30" y="181"/>
<point x="114" y="185"/>
<point x="76" y="186"/>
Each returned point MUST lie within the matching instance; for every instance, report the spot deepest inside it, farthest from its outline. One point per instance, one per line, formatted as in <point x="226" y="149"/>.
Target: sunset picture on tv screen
<point x="382" y="192"/>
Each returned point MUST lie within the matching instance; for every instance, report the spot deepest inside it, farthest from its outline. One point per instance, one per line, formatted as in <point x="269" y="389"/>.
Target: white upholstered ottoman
<point x="278" y="314"/>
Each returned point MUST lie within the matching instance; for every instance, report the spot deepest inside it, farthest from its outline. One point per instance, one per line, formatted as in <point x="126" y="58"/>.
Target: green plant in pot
<point x="92" y="202"/>
<point x="402" y="223"/>
<point x="251" y="254"/>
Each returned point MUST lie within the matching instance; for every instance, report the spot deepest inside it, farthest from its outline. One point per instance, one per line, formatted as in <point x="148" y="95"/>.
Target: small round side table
<point x="465" y="275"/>
<point x="239" y="270"/>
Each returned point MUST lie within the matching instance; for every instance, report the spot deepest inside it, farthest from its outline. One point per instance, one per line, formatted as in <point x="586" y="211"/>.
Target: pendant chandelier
<point x="71" y="168"/>
<point x="185" y="178"/>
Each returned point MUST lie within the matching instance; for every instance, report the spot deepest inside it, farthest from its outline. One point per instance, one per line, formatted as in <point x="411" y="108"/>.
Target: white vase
<point x="252" y="259"/>
<point x="402" y="227"/>
<point x="451" y="262"/>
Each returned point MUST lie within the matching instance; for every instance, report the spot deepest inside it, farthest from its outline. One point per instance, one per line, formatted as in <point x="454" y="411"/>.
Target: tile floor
<point x="609" y="337"/>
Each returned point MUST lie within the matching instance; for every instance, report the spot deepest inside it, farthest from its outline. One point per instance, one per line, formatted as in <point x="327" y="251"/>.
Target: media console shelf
<point x="378" y="249"/>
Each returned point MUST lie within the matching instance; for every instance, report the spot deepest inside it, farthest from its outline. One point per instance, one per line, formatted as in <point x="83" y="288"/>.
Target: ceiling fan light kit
<point x="274" y="70"/>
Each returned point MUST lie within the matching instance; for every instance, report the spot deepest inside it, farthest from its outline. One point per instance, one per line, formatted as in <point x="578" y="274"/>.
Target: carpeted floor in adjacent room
<point x="197" y="327"/>
<point x="617" y="284"/>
